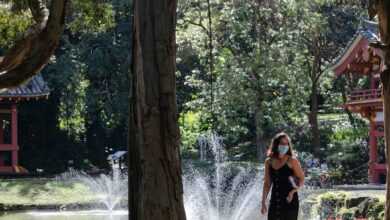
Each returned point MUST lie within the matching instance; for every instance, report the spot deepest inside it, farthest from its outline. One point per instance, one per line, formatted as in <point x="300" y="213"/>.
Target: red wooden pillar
<point x="372" y="82"/>
<point x="14" y="116"/>
<point x="372" y="173"/>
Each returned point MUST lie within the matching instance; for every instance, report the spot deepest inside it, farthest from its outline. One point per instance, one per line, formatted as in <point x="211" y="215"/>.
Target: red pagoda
<point x="359" y="59"/>
<point x="35" y="89"/>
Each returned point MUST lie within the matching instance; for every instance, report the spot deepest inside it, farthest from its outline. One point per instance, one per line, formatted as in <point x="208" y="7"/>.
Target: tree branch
<point x="198" y="24"/>
<point x="38" y="10"/>
<point x="32" y="53"/>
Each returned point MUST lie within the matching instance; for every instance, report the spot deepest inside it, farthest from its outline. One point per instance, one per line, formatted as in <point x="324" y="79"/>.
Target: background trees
<point x="245" y="70"/>
<point x="271" y="62"/>
<point x="85" y="117"/>
<point x="31" y="52"/>
<point x="264" y="77"/>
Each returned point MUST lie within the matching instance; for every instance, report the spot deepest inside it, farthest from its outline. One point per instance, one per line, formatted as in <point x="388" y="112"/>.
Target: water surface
<point x="79" y="215"/>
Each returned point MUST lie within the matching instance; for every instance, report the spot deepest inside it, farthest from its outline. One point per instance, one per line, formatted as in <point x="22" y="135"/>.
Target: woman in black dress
<point x="284" y="173"/>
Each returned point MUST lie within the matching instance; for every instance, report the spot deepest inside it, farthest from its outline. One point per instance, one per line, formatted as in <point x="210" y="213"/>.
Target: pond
<point x="79" y="215"/>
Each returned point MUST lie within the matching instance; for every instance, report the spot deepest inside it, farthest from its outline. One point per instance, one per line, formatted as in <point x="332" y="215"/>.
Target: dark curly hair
<point x="273" y="147"/>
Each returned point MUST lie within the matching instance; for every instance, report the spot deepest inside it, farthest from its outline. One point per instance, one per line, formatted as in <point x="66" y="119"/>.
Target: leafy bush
<point x="376" y="211"/>
<point x="190" y="129"/>
<point x="347" y="155"/>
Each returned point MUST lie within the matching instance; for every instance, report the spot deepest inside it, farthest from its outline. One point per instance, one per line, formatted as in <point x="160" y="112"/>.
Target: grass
<point x="43" y="192"/>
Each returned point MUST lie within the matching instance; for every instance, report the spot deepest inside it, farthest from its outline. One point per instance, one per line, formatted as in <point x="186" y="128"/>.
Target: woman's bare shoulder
<point x="268" y="160"/>
<point x="293" y="160"/>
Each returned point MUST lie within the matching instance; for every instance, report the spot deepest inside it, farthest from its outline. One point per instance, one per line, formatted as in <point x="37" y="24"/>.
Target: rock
<point x="344" y="207"/>
<point x="354" y="201"/>
<point x="365" y="206"/>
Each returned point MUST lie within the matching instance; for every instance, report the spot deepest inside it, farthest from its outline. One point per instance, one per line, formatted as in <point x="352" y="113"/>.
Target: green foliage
<point x="351" y="205"/>
<point x="89" y="78"/>
<point x="190" y="130"/>
<point x="94" y="67"/>
<point x="348" y="153"/>
<point x="12" y="26"/>
<point x="262" y="65"/>
<point x="347" y="214"/>
<point x="377" y="211"/>
<point x="90" y="16"/>
<point x="72" y="109"/>
<point x="254" y="74"/>
<point x="15" y="5"/>
<point x="86" y="114"/>
<point x="260" y="84"/>
<point x="336" y="200"/>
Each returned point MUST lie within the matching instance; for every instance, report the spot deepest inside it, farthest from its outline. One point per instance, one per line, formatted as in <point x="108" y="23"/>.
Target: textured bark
<point x="313" y="120"/>
<point x="385" y="77"/>
<point x="315" y="45"/>
<point x="155" y="185"/>
<point x="382" y="9"/>
<point x="259" y="117"/>
<point x="210" y="35"/>
<point x="31" y="53"/>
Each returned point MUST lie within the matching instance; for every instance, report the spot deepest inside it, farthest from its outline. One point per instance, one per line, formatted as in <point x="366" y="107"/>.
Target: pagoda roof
<point x="36" y="87"/>
<point x="367" y="33"/>
<point x="369" y="30"/>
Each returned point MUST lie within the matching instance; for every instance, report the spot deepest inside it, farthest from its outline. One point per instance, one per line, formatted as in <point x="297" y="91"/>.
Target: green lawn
<point x="43" y="192"/>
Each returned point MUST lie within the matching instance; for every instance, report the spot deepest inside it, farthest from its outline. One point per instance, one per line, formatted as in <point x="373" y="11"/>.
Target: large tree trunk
<point x="155" y="185"/>
<point x="313" y="120"/>
<point x="385" y="77"/>
<point x="382" y="9"/>
<point x="259" y="117"/>
<point x="31" y="53"/>
<point x="211" y="64"/>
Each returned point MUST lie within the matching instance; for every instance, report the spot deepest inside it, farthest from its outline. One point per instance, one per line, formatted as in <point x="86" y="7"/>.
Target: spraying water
<point x="214" y="189"/>
<point x="225" y="190"/>
<point x="218" y="189"/>
<point x="110" y="189"/>
<point x="203" y="142"/>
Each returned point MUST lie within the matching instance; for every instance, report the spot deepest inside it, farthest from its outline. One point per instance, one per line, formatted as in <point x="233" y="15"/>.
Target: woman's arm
<point x="298" y="172"/>
<point x="267" y="181"/>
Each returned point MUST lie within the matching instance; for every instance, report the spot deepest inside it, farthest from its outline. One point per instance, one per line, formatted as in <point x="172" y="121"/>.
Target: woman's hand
<point x="290" y="196"/>
<point x="263" y="208"/>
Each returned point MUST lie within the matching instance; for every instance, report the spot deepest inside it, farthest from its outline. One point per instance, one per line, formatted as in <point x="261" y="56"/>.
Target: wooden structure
<point x="35" y="89"/>
<point x="360" y="59"/>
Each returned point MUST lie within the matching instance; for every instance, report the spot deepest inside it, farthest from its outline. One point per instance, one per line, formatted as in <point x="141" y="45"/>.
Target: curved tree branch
<point x="38" y="10"/>
<point x="33" y="51"/>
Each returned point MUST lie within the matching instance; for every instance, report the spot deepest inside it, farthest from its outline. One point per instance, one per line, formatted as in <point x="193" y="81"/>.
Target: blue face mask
<point x="282" y="149"/>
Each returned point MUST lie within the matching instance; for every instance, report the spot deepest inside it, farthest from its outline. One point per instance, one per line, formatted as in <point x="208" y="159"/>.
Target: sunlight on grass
<point x="43" y="192"/>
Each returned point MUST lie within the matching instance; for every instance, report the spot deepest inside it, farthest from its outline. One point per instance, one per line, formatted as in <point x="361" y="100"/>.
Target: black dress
<point x="279" y="208"/>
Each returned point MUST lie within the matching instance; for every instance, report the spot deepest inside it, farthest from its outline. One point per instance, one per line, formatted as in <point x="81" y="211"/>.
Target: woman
<point x="282" y="170"/>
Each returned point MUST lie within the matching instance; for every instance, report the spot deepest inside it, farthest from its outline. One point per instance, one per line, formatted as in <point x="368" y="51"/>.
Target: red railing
<point x="361" y="95"/>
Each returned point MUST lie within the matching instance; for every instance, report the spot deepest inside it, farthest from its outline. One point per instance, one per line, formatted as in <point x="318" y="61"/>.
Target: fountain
<point x="230" y="191"/>
<point x="214" y="189"/>
<point x="109" y="191"/>
<point x="112" y="189"/>
<point x="225" y="190"/>
<point x="203" y="142"/>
